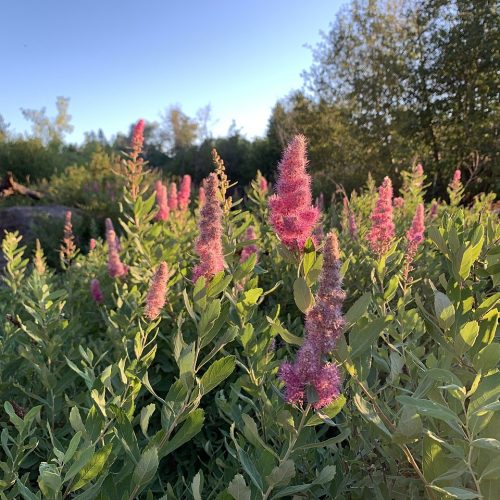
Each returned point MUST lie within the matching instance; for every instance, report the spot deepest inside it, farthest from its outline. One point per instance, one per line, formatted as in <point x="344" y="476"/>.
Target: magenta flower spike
<point x="263" y="186"/>
<point x="249" y="249"/>
<point x="92" y="244"/>
<point x="138" y="137"/>
<point x="172" y="196"/>
<point x="161" y="201"/>
<point x="292" y="214"/>
<point x="353" y="227"/>
<point x="155" y="299"/>
<point x="414" y="236"/>
<point x="399" y="202"/>
<point x="184" y="193"/>
<point x="116" y="268"/>
<point x="434" y="210"/>
<point x="208" y="246"/>
<point x="96" y="292"/>
<point x="324" y="325"/>
<point x="456" y="182"/>
<point x="381" y="233"/>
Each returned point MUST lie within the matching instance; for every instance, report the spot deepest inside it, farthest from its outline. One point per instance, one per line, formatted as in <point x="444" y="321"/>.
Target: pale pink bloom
<point x="456" y="183"/>
<point x="161" y="201"/>
<point x="68" y="247"/>
<point x="172" y="196"/>
<point x="92" y="244"/>
<point x="155" y="299"/>
<point x="292" y="214"/>
<point x="263" y="184"/>
<point x="209" y="243"/>
<point x="418" y="170"/>
<point x="201" y="196"/>
<point x="184" y="193"/>
<point x="434" y="210"/>
<point x="415" y="236"/>
<point x="381" y="233"/>
<point x="324" y="325"/>
<point x="109" y="227"/>
<point x="353" y="228"/>
<point x="399" y="202"/>
<point x="96" y="292"/>
<point x="249" y="249"/>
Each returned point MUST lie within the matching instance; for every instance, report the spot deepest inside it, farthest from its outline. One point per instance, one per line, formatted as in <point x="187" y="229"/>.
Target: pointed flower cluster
<point x="68" y="247"/>
<point x="353" y="227"/>
<point x="434" y="210"/>
<point x="418" y="175"/>
<point x="249" y="249"/>
<point x="172" y="196"/>
<point x="96" y="292"/>
<point x="161" y="201"/>
<point x="399" y="202"/>
<point x="456" y="182"/>
<point x="414" y="236"/>
<point x="209" y="243"/>
<point x="201" y="196"/>
<point x="116" y="268"/>
<point x="155" y="299"/>
<point x="309" y="378"/>
<point x="184" y="193"/>
<point x="381" y="233"/>
<point x="292" y="214"/>
<point x="137" y="138"/>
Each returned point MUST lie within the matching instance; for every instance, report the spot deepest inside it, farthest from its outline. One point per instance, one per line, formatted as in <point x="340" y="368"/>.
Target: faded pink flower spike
<point x="96" y="292"/>
<point x="201" y="196"/>
<point x="320" y="202"/>
<point x="292" y="214"/>
<point x="382" y="231"/>
<point x="184" y="193"/>
<point x="209" y="244"/>
<point x="419" y="170"/>
<point x="434" y="210"/>
<point x="172" y="196"/>
<point x="68" y="247"/>
<point x="324" y="325"/>
<point x="456" y="183"/>
<point x="161" y="201"/>
<point x="92" y="244"/>
<point x="155" y="299"/>
<point x="415" y="236"/>
<point x="109" y="227"/>
<point x="353" y="228"/>
<point x="249" y="249"/>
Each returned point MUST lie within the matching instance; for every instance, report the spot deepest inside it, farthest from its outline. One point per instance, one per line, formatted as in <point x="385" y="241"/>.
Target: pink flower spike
<point x="434" y="210"/>
<point x="415" y="236"/>
<point x="92" y="244"/>
<point x="419" y="170"/>
<point x="172" y="196"/>
<point x="292" y="214"/>
<point x="155" y="299"/>
<point x="161" y="201"/>
<point x="381" y="233"/>
<point x="263" y="184"/>
<point x="399" y="202"/>
<point x="208" y="246"/>
<point x="456" y="183"/>
<point x="353" y="228"/>
<point x="250" y="249"/>
<point x="116" y="269"/>
<point x="184" y="193"/>
<point x="96" y="292"/>
<point x="138" y="137"/>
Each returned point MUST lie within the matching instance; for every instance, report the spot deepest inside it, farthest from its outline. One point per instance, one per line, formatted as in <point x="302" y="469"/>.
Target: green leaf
<point x="460" y="493"/>
<point x="358" y="309"/>
<point x="328" y="412"/>
<point x="197" y="485"/>
<point x="467" y="336"/>
<point x="252" y="296"/>
<point x="487" y="444"/>
<point x="361" y="340"/>
<point x="487" y="358"/>
<point x="287" y="336"/>
<point x="72" y="447"/>
<point x="282" y="474"/>
<point x="246" y="462"/>
<point x="302" y="295"/>
<point x="189" y="429"/>
<point x="208" y="317"/>
<point x="472" y="253"/>
<point x="238" y="488"/>
<point x="492" y="470"/>
<point x="146" y="413"/>
<point x="146" y="468"/>
<point x="369" y="414"/>
<point x="392" y="288"/>
<point x="93" y="468"/>
<point x="217" y="373"/>
<point x="445" y="311"/>
<point x="326" y="475"/>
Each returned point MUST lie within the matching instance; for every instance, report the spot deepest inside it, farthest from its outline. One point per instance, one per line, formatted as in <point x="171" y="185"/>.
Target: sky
<point x="119" y="60"/>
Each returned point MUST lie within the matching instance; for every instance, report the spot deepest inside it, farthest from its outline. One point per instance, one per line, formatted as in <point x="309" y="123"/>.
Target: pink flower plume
<point x="249" y="249"/>
<point x="155" y="299"/>
<point x="292" y="214"/>
<point x="96" y="292"/>
<point x="172" y="196"/>
<point x="161" y="201"/>
<point x="209" y="243"/>
<point x="382" y="231"/>
<point x="184" y="193"/>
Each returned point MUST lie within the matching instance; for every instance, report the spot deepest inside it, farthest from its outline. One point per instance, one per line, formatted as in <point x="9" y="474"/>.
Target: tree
<point x="50" y="129"/>
<point x="177" y="131"/>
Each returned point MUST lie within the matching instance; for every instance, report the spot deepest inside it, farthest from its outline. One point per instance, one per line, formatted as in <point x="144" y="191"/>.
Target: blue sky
<point x="120" y="60"/>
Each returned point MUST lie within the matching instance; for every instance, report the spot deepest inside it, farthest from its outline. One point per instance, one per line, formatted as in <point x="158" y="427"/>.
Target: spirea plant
<point x="265" y="348"/>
